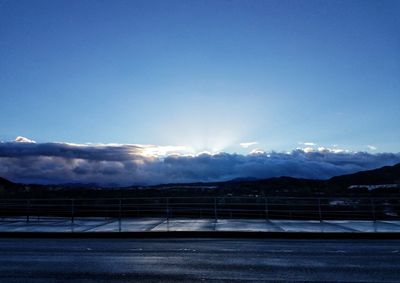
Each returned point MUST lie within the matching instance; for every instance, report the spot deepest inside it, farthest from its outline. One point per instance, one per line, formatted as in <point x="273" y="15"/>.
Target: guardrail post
<point x="167" y="210"/>
<point x="28" y="210"/>
<point x="119" y="215"/>
<point x="373" y="213"/>
<point x="215" y="210"/>
<point x="72" y="211"/>
<point x="320" y="214"/>
<point x="319" y="210"/>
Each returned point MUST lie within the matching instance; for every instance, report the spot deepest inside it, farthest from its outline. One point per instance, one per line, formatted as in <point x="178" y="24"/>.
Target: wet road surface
<point x="198" y="260"/>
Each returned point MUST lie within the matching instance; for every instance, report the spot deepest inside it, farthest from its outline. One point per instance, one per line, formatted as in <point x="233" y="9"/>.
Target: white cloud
<point x="308" y="143"/>
<point x="257" y="151"/>
<point x="247" y="144"/>
<point x="23" y="139"/>
<point x="334" y="149"/>
<point x="156" y="151"/>
<point x="308" y="149"/>
<point x="324" y="149"/>
<point x="371" y="147"/>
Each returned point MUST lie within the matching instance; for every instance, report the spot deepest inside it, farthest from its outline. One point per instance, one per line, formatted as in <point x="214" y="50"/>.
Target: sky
<point x="188" y="78"/>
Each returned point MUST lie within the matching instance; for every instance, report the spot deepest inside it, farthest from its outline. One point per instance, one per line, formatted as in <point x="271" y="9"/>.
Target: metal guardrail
<point x="334" y="208"/>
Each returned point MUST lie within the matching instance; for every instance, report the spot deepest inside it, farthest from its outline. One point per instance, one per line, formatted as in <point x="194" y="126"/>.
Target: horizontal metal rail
<point x="323" y="208"/>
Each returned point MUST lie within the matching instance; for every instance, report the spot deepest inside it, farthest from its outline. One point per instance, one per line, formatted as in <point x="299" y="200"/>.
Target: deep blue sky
<point x="205" y="74"/>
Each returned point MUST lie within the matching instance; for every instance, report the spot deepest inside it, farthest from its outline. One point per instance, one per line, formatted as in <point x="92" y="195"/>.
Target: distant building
<point x="374" y="187"/>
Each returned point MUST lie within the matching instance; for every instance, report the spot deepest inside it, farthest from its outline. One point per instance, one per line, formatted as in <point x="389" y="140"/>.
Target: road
<point x="198" y="260"/>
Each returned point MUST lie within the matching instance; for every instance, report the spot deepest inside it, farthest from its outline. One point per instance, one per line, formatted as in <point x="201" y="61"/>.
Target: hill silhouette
<point x="286" y="186"/>
<point x="383" y="175"/>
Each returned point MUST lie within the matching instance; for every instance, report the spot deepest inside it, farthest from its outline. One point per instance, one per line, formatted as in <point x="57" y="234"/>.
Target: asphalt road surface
<point x="198" y="260"/>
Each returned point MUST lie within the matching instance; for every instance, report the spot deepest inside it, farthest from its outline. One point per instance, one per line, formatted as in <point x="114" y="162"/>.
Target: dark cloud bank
<point x="124" y="165"/>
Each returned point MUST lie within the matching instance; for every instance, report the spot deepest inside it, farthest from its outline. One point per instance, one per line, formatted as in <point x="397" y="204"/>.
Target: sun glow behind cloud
<point x="213" y="115"/>
<point x="159" y="151"/>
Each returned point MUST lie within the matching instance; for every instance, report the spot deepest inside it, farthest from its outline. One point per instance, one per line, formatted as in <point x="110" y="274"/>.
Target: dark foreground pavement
<point x="198" y="260"/>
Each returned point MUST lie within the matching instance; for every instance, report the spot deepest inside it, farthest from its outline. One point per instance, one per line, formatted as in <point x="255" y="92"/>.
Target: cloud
<point x="247" y="144"/>
<point x="308" y="143"/>
<point x="23" y="139"/>
<point x="257" y="151"/>
<point x="335" y="149"/>
<point x="126" y="164"/>
<point x="371" y="147"/>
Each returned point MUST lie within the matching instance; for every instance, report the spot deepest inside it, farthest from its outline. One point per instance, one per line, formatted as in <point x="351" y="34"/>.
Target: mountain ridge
<point x="382" y="175"/>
